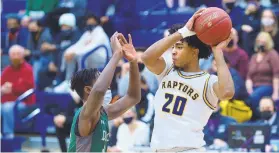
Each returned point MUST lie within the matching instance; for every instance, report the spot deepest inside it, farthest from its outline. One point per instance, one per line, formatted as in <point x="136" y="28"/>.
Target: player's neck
<point x="192" y="67"/>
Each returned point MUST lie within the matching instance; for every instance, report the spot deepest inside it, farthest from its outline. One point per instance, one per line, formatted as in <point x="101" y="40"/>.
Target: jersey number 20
<point x="178" y="107"/>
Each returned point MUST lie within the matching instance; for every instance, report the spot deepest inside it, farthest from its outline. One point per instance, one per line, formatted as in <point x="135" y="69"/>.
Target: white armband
<point x="185" y="32"/>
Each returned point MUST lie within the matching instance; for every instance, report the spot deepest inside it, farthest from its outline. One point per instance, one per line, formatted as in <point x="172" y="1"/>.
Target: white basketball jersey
<point x="182" y="109"/>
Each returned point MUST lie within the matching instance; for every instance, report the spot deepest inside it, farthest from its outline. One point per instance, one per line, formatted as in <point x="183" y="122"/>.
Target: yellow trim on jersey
<point x="190" y="76"/>
<point x="204" y="94"/>
<point x="168" y="71"/>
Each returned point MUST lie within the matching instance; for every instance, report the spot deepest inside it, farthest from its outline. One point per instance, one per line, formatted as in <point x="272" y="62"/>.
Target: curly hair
<point x="83" y="78"/>
<point x="193" y="41"/>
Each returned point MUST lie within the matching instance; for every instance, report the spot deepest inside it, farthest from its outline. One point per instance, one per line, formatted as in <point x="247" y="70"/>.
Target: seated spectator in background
<point x="40" y="55"/>
<point x="132" y="132"/>
<point x="215" y="132"/>
<point x="237" y="57"/>
<point x="235" y="12"/>
<point x="269" y="115"/>
<point x="93" y="37"/>
<point x="68" y="36"/>
<point x="251" y="25"/>
<point x="113" y="134"/>
<point x="270" y="24"/>
<point x="63" y="122"/>
<point x="14" y="35"/>
<point x="239" y="83"/>
<point x="263" y="72"/>
<point x="36" y="9"/>
<point x="150" y="78"/>
<point x="144" y="108"/>
<point x="15" y="80"/>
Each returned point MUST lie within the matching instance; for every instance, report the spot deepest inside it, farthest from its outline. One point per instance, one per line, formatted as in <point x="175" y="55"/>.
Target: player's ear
<point x="195" y="52"/>
<point x="87" y="89"/>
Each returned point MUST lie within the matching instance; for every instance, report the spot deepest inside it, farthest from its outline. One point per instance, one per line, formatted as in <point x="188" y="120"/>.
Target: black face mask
<point x="34" y="34"/>
<point x="266" y="115"/>
<point x="230" y="44"/>
<point x="13" y="30"/>
<point x="141" y="67"/>
<point x="128" y="120"/>
<point x="230" y="6"/>
<point x="90" y="27"/>
<point x="66" y="34"/>
<point x="260" y="48"/>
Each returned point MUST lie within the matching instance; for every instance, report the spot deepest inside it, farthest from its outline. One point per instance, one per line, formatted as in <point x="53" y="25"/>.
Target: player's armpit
<point x="156" y="66"/>
<point x="87" y="124"/>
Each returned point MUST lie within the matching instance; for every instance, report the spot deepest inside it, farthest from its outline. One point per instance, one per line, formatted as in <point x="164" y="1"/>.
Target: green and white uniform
<point x="98" y="139"/>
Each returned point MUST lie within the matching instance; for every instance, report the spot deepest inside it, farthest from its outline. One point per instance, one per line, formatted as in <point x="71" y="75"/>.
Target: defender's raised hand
<point x="128" y="48"/>
<point x="115" y="44"/>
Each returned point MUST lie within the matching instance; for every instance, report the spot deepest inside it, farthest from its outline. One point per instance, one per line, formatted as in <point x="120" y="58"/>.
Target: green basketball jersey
<point x="97" y="141"/>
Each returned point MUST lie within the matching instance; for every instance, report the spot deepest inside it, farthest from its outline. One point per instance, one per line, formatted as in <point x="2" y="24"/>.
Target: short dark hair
<point x="91" y="15"/>
<point x="83" y="78"/>
<point x="193" y="41"/>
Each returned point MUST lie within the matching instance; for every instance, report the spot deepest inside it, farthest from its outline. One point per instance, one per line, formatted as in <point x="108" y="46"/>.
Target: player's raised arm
<point x="90" y="113"/>
<point x="133" y="94"/>
<point x="152" y="56"/>
<point x="224" y="88"/>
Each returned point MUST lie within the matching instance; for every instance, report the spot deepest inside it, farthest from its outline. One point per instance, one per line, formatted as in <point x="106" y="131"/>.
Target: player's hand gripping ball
<point x="213" y="26"/>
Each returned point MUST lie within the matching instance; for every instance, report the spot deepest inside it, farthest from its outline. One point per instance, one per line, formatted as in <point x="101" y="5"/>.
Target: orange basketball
<point x="213" y="26"/>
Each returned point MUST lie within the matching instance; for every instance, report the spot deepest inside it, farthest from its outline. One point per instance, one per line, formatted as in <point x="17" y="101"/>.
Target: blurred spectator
<point x="76" y="7"/>
<point x="269" y="115"/>
<point x="63" y="122"/>
<point x="88" y="42"/>
<point x="215" y="132"/>
<point x="132" y="132"/>
<point x="251" y="25"/>
<point x="41" y="57"/>
<point x="123" y="19"/>
<point x="237" y="57"/>
<point x="15" y="35"/>
<point x="68" y="36"/>
<point x="15" y="80"/>
<point x="150" y="78"/>
<point x="113" y="134"/>
<point x="239" y="83"/>
<point x="36" y="9"/>
<point x="270" y="24"/>
<point x="263" y="73"/>
<point x="144" y="108"/>
<point x="235" y="12"/>
<point x="25" y="21"/>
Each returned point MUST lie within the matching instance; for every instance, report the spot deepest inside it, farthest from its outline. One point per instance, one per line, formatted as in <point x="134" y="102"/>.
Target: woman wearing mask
<point x="269" y="23"/>
<point x="132" y="132"/>
<point x="263" y="72"/>
<point x="251" y="25"/>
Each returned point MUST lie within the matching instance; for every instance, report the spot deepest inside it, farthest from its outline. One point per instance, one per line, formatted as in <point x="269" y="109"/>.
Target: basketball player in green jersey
<point x="90" y="131"/>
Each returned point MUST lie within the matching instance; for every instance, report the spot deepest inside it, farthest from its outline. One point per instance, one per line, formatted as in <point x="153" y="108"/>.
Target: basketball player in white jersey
<point x="186" y="96"/>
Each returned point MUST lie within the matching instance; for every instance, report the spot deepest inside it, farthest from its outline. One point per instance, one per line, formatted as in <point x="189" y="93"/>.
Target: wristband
<point x="185" y="32"/>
